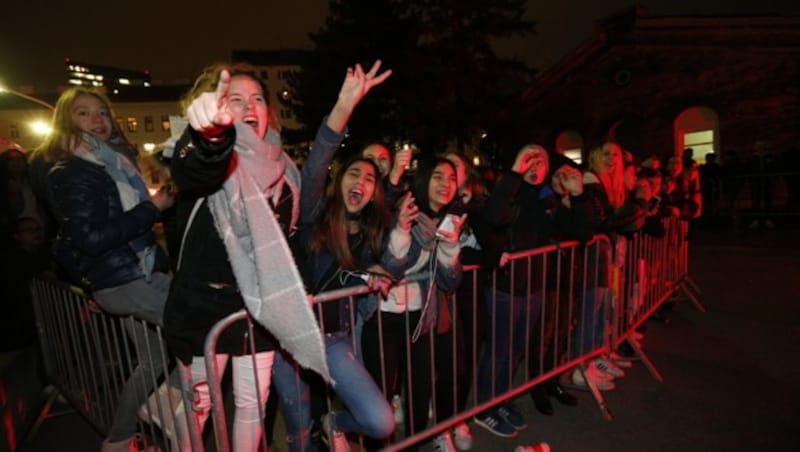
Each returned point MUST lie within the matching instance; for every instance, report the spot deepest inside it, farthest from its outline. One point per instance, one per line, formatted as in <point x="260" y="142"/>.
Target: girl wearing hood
<point x="519" y="215"/>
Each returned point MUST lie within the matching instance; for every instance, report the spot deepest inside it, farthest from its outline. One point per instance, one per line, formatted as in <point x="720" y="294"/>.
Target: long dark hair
<point x="331" y="233"/>
<point x="422" y="180"/>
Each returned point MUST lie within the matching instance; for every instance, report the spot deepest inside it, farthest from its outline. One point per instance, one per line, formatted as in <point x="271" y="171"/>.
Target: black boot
<point x="555" y="389"/>
<point x="541" y="401"/>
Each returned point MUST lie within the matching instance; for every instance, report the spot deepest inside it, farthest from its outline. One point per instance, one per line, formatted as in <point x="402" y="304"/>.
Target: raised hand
<point x="209" y="113"/>
<point x="523" y="162"/>
<point x="401" y="161"/>
<point x="452" y="235"/>
<point x="356" y="85"/>
<point x="571" y="179"/>
<point x="407" y="213"/>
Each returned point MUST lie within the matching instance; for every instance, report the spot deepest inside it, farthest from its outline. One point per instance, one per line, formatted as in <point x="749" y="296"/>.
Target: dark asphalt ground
<point x="731" y="375"/>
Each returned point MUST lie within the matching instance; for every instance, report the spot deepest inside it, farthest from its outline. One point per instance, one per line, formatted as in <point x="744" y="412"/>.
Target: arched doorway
<point x="697" y="128"/>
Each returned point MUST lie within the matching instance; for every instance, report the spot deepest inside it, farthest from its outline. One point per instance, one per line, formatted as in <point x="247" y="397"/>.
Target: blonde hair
<point x="612" y="179"/>
<point x="59" y="144"/>
<point x="209" y="78"/>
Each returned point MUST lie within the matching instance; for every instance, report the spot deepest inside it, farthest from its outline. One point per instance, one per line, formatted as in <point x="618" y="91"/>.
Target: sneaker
<point x="620" y="361"/>
<point x="606" y="366"/>
<point x="598" y="374"/>
<point x="337" y="441"/>
<point x="444" y="443"/>
<point x="462" y="436"/>
<point x="578" y="381"/>
<point x="397" y="406"/>
<point x="510" y="414"/>
<point x="495" y="424"/>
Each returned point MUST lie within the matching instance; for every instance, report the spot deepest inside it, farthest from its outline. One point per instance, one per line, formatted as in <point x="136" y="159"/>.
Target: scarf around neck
<point x="130" y="186"/>
<point x="262" y="262"/>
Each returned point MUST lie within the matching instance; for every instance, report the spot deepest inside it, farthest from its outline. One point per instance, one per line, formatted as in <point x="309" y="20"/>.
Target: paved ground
<point x="730" y="375"/>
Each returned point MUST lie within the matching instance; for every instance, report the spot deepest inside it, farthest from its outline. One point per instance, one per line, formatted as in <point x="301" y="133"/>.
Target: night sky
<point x="174" y="42"/>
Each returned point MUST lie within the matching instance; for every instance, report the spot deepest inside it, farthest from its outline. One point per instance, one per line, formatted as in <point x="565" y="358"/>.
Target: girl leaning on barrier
<point x="341" y="243"/>
<point x="614" y="210"/>
<point x="431" y="248"/>
<point x="105" y="241"/>
<point x="239" y="199"/>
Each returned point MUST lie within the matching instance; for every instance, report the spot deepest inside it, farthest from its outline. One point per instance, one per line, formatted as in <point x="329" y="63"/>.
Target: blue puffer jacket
<point x="94" y="232"/>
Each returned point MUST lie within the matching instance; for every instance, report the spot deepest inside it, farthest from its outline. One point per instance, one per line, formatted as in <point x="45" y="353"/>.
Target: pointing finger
<point x="222" y="86"/>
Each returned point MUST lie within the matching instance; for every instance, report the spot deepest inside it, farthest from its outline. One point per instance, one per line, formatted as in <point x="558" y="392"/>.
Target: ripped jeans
<point x="248" y="426"/>
<point x="367" y="412"/>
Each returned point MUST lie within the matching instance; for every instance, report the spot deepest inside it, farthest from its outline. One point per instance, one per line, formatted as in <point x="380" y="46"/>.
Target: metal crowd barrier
<point x="600" y="291"/>
<point x="88" y="356"/>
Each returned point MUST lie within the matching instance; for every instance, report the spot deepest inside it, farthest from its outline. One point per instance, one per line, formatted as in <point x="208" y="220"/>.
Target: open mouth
<point x="252" y="122"/>
<point x="355" y="196"/>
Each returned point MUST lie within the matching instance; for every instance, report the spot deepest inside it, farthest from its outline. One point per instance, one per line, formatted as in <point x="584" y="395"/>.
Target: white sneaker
<point x="462" y="436"/>
<point x="337" y="441"/>
<point x="444" y="443"/>
<point x="579" y="382"/>
<point x="608" y="367"/>
<point x="157" y="404"/>
<point x="620" y="361"/>
<point x="397" y="406"/>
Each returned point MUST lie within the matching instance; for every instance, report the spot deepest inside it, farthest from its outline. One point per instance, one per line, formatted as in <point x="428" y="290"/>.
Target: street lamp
<point x="4" y="89"/>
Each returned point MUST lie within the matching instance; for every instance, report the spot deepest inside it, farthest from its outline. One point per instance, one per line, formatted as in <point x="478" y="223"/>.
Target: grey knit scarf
<point x="262" y="262"/>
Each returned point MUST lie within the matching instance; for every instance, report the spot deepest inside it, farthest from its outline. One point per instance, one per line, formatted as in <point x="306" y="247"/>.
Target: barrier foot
<point x="598" y="396"/>
<point x="47" y="412"/>
<point x="688" y="279"/>
<point x="687" y="286"/>
<point x="646" y="360"/>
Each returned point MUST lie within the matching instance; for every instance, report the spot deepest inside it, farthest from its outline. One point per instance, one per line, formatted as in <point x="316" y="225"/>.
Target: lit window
<point x="574" y="154"/>
<point x="701" y="141"/>
<point x="165" y="125"/>
<point x="148" y="123"/>
<point x="132" y="124"/>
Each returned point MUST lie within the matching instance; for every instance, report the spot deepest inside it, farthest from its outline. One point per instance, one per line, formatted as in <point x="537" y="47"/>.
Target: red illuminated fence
<point x="577" y="302"/>
<point x="554" y="309"/>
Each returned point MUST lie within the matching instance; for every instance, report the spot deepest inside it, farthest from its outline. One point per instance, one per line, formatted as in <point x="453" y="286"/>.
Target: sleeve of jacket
<point x="395" y="254"/>
<point x="85" y="218"/>
<point x="315" y="171"/>
<point x="200" y="167"/>
<point x="448" y="268"/>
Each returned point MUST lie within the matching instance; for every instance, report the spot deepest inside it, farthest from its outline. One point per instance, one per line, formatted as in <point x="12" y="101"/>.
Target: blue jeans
<point x="505" y="314"/>
<point x="593" y="320"/>
<point x="367" y="413"/>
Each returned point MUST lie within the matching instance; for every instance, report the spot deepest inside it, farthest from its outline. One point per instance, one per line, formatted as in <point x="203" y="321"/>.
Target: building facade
<point x="660" y="84"/>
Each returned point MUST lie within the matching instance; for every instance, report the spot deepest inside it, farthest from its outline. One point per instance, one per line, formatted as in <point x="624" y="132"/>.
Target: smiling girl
<point x="105" y="241"/>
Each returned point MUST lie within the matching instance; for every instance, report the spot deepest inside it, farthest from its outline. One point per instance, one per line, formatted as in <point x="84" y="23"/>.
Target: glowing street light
<point x="4" y="89"/>
<point x="41" y="128"/>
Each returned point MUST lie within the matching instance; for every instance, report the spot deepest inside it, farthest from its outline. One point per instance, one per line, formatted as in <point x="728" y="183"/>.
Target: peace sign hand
<point x="209" y="113"/>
